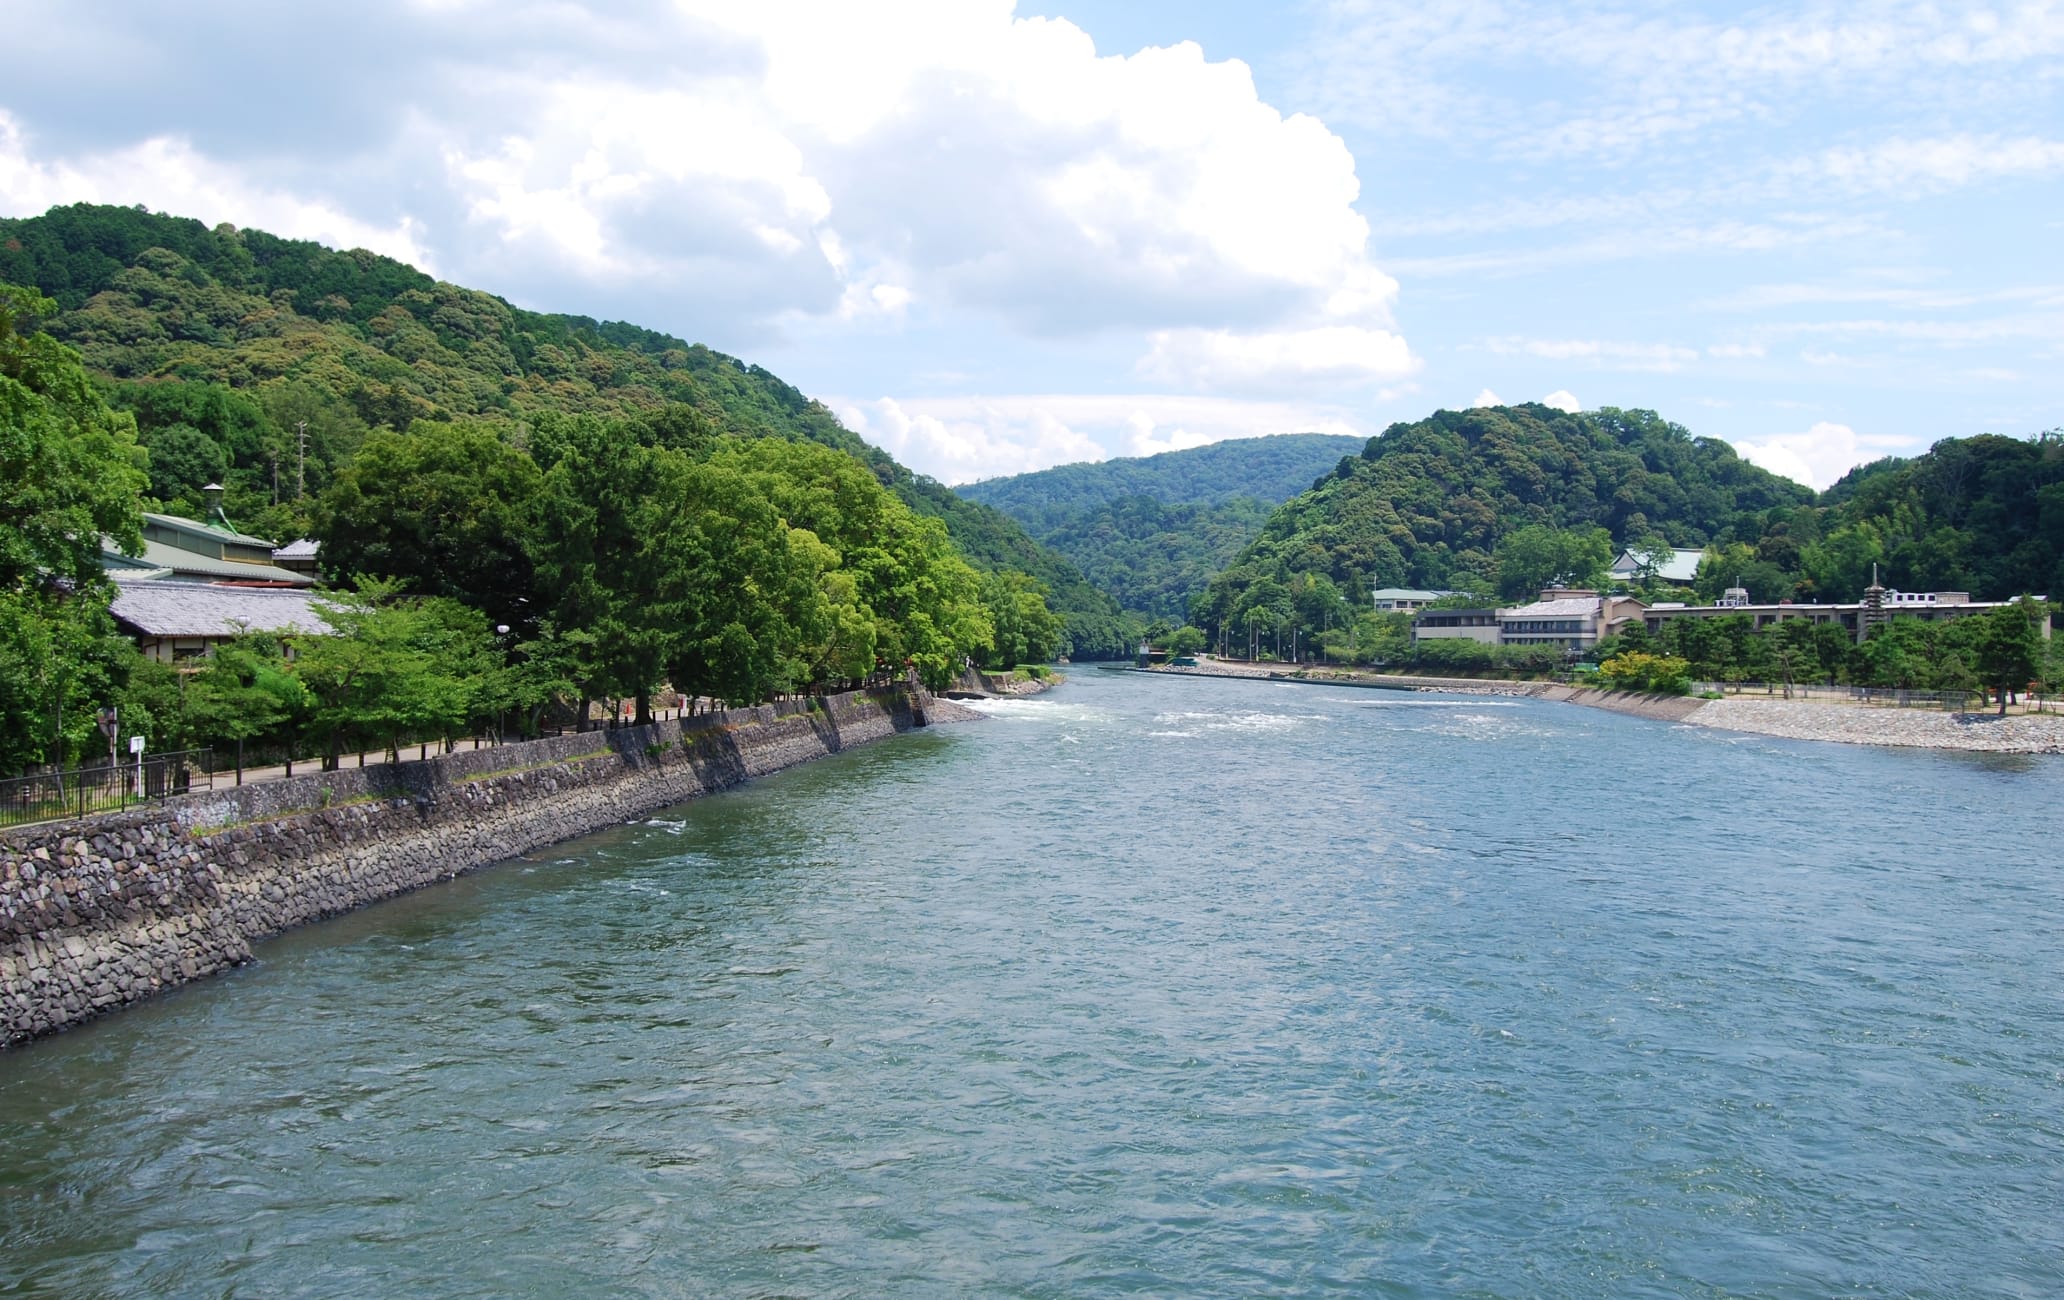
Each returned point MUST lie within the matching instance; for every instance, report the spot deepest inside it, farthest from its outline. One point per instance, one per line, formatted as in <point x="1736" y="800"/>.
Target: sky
<point x="1000" y="237"/>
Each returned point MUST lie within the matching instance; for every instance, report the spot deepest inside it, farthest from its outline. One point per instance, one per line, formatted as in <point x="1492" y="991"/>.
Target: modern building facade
<point x="1405" y="600"/>
<point x="1565" y="618"/>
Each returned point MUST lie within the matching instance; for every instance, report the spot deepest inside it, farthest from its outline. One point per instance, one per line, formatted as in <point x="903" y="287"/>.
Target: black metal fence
<point x="51" y="796"/>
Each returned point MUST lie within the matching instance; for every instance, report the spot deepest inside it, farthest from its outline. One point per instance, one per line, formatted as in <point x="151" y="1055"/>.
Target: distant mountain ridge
<point x="1152" y="530"/>
<point x="1269" y="469"/>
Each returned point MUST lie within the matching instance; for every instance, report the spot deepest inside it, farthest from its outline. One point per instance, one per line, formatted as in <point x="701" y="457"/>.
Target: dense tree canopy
<point x="286" y="354"/>
<point x="449" y="508"/>
<point x="527" y="507"/>
<point x="70" y="472"/>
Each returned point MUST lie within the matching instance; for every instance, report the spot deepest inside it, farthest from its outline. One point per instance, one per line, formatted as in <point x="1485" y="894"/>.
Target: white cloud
<point x="960" y="439"/>
<point x="1646" y="77"/>
<point x="949" y="154"/>
<point x="166" y="174"/>
<point x="1735" y="351"/>
<point x="1604" y="354"/>
<point x="1947" y="162"/>
<point x="1487" y="398"/>
<point x="1562" y="399"/>
<point x="1224" y="359"/>
<point x="732" y="170"/>
<point x="1820" y="455"/>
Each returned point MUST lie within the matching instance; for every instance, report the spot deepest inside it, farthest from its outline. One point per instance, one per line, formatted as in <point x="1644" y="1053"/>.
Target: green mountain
<point x="1427" y="503"/>
<point x="1983" y="514"/>
<point x="1153" y="530"/>
<point x="266" y="361"/>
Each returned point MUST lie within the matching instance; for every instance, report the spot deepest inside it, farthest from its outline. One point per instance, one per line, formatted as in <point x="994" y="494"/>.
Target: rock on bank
<point x="102" y="912"/>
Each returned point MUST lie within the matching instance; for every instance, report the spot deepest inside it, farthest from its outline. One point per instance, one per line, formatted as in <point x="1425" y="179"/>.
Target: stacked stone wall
<point x="105" y="911"/>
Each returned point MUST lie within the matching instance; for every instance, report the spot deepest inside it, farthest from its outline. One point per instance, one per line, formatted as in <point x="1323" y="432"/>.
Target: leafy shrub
<point x="1635" y="670"/>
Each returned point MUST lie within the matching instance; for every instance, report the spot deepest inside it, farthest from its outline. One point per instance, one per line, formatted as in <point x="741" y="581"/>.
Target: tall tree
<point x="70" y="473"/>
<point x="2009" y="648"/>
<point x="1537" y="556"/>
<point x="450" y="509"/>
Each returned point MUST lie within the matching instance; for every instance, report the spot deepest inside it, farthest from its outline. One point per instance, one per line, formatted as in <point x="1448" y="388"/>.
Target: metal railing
<point x="53" y="796"/>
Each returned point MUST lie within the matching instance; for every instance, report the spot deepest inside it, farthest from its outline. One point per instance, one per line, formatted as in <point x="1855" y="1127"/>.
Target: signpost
<point x="136" y="748"/>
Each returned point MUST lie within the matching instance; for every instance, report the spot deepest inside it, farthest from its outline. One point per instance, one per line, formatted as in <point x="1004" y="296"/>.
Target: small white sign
<point x="136" y="744"/>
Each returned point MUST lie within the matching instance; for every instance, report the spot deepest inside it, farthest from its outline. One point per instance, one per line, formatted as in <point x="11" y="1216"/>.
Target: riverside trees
<point x="625" y="555"/>
<point x="70" y="472"/>
<point x="483" y="571"/>
<point x="2001" y="650"/>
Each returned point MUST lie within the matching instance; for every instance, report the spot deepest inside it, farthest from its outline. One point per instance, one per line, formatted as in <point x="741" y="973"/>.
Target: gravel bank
<point x="1855" y="724"/>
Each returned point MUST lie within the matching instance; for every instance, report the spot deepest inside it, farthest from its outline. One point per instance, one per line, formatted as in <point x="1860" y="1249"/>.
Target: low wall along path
<point x="102" y="912"/>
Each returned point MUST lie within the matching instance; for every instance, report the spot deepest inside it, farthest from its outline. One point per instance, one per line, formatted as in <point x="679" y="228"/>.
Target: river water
<point x="1149" y="985"/>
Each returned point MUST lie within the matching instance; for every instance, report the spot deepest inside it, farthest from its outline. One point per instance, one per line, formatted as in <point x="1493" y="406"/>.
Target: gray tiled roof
<point x="199" y="609"/>
<point x="1681" y="567"/>
<point x="302" y="549"/>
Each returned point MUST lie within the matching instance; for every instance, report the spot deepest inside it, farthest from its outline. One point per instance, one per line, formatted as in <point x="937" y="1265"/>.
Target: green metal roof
<point x="184" y="563"/>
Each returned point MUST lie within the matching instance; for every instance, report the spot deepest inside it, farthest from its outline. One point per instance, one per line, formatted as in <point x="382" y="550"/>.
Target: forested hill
<point x="1270" y="470"/>
<point x="1153" y="530"/>
<point x="223" y="341"/>
<point x="1426" y="504"/>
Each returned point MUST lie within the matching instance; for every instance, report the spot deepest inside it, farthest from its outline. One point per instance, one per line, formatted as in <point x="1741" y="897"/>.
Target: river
<point x="1149" y="985"/>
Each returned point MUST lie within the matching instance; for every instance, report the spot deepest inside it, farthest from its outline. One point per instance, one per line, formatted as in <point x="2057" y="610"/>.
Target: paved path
<point x="226" y="757"/>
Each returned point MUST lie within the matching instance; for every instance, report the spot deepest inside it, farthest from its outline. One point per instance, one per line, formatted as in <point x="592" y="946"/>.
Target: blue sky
<point x="999" y="238"/>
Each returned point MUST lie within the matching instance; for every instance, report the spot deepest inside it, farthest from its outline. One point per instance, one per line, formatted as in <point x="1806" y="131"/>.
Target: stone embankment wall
<point x="1662" y="708"/>
<point x="105" y="911"/>
<point x="973" y="682"/>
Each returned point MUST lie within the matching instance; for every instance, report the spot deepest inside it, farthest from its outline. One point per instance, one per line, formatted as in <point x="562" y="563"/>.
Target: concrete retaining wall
<point x="1663" y="708"/>
<point x="105" y="911"/>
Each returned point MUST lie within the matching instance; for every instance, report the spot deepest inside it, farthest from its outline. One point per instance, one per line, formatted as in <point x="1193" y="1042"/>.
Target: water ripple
<point x="1162" y="985"/>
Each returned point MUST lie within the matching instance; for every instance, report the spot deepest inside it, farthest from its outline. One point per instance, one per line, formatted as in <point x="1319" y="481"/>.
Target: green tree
<point x="1024" y="630"/>
<point x="737" y="592"/>
<point x="183" y="460"/>
<point x="392" y="669"/>
<point x="245" y="690"/>
<point x="70" y="473"/>
<point x="70" y="469"/>
<point x="451" y="509"/>
<point x="2009" y="647"/>
<point x="1536" y="556"/>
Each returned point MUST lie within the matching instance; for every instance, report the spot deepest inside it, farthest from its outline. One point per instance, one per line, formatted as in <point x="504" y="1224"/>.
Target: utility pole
<point x="301" y="461"/>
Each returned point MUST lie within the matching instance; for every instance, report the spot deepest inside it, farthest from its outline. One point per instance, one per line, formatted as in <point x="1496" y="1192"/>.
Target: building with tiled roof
<point x="1678" y="570"/>
<point x="299" y="556"/>
<point x="1566" y="618"/>
<point x="190" y="550"/>
<point x="172" y="620"/>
